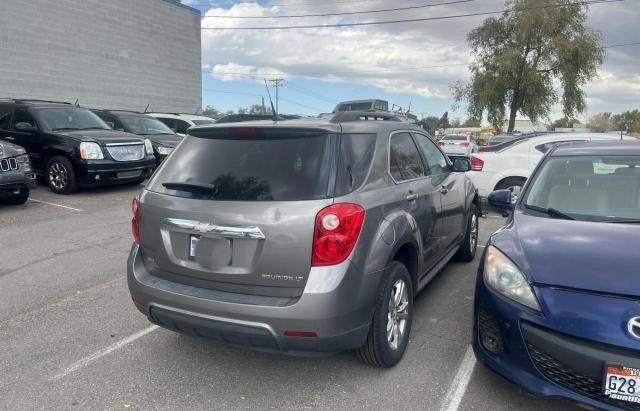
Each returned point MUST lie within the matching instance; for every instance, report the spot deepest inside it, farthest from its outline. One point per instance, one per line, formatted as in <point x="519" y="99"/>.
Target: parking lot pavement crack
<point x="56" y="254"/>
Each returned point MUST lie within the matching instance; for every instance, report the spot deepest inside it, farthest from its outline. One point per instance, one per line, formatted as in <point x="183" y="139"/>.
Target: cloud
<point x="384" y="49"/>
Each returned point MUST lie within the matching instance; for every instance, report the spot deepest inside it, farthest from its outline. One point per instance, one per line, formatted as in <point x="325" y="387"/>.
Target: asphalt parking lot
<point x="72" y="339"/>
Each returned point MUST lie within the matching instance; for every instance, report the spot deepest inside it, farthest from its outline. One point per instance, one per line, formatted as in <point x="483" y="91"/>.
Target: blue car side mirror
<point x="501" y="199"/>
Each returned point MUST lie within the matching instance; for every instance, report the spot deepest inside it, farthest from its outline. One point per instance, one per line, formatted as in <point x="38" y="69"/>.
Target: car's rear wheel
<point x="391" y="324"/>
<point x="60" y="176"/>
<point x="467" y="251"/>
<point x="18" y="199"/>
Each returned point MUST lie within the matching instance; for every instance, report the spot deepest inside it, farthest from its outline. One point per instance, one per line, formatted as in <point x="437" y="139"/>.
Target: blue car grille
<point x="562" y="375"/>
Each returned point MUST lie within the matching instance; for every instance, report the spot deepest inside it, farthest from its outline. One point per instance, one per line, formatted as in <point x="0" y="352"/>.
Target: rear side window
<point x="22" y="115"/>
<point x="404" y="160"/>
<point x="5" y="117"/>
<point x="182" y="126"/>
<point x="355" y="157"/>
<point x="253" y="165"/>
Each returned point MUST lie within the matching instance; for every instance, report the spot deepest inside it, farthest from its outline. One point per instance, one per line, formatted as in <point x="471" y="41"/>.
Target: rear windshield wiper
<point x="550" y="211"/>
<point x="193" y="187"/>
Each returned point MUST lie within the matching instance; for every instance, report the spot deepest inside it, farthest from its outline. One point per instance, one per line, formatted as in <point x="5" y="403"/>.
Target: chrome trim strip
<point x="251" y="232"/>
<point x="216" y="318"/>
<point x="132" y="143"/>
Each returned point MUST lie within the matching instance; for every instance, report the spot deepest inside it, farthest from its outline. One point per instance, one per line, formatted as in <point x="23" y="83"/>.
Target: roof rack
<point x="33" y="100"/>
<point x="348" y="116"/>
<point x="109" y="109"/>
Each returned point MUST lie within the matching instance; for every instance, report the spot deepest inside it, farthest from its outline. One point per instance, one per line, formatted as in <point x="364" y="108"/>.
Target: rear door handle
<point x="444" y="190"/>
<point x="9" y="138"/>
<point x="412" y="197"/>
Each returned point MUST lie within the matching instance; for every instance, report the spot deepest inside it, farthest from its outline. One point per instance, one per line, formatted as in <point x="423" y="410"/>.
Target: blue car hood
<point x="601" y="257"/>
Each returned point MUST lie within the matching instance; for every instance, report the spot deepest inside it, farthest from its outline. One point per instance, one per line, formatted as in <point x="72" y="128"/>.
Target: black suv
<point x="163" y="139"/>
<point x="71" y="147"/>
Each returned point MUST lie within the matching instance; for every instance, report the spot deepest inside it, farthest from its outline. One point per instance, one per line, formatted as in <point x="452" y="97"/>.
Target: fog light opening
<point x="97" y="177"/>
<point x="491" y="342"/>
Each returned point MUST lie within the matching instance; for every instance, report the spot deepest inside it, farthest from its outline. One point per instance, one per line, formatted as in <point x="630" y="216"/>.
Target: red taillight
<point x="476" y="164"/>
<point x="135" y="221"/>
<point x="336" y="233"/>
<point x="465" y="144"/>
<point x="303" y="334"/>
<point x="441" y="143"/>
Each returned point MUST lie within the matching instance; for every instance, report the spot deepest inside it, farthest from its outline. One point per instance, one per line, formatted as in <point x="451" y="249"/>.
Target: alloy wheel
<point x="473" y="241"/>
<point x="398" y="314"/>
<point x="58" y="175"/>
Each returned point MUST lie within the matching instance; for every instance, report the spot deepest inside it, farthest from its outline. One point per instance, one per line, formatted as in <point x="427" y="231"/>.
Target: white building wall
<point x="117" y="54"/>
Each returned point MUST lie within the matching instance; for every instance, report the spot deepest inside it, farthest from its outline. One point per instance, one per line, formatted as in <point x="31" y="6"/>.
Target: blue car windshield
<point x="603" y="188"/>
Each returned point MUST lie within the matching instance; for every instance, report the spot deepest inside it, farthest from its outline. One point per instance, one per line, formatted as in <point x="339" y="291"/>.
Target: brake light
<point x="476" y="164"/>
<point x="336" y="232"/>
<point x="135" y="221"/>
<point x="441" y="143"/>
<point x="465" y="144"/>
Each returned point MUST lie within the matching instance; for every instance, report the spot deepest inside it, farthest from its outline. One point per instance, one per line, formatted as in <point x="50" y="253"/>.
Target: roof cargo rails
<point x="348" y="116"/>
<point x="32" y="100"/>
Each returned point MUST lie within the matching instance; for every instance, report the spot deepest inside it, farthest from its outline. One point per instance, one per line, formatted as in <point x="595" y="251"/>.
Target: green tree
<point x="471" y="122"/>
<point x="444" y="120"/>
<point x="601" y="123"/>
<point x="455" y="123"/>
<point x="211" y="111"/>
<point x="564" y="122"/>
<point x="518" y="56"/>
<point x="430" y="123"/>
<point x="628" y="121"/>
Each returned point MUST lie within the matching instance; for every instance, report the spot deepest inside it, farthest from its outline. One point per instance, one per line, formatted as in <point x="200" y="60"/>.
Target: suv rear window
<point x="253" y="165"/>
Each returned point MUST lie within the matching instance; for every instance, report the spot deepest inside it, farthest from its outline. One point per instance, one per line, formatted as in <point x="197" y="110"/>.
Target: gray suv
<point x="300" y="236"/>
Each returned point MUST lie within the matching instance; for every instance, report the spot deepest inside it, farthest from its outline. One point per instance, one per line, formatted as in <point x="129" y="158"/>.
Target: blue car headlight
<point x="163" y="150"/>
<point x="502" y="275"/>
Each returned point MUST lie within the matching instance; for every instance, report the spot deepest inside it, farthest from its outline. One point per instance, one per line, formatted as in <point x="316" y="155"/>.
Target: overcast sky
<point x="235" y="61"/>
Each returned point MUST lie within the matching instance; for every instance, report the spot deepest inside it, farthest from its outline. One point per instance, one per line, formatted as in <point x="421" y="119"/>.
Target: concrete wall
<point x="107" y="53"/>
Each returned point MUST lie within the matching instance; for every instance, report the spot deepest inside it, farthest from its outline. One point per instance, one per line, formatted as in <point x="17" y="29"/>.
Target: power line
<point x="637" y="43"/>
<point x="422" y="6"/>
<point x="300" y="104"/>
<point x="330" y="73"/>
<point x="372" y="23"/>
<point x="310" y="93"/>
<point x="291" y="4"/>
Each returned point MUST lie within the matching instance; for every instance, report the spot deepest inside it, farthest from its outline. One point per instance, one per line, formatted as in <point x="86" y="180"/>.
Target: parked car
<point x="163" y="139"/>
<point x="302" y="235"/>
<point x="180" y="123"/>
<point x="513" y="162"/>
<point x="499" y="139"/>
<point x="71" y="147"/>
<point x="556" y="303"/>
<point x="458" y="144"/>
<point x="241" y="118"/>
<point x="16" y="175"/>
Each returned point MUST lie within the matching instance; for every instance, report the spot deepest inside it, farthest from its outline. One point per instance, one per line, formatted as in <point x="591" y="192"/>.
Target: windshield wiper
<point x="193" y="187"/>
<point x="64" y="128"/>
<point x="550" y="211"/>
<point x="93" y="128"/>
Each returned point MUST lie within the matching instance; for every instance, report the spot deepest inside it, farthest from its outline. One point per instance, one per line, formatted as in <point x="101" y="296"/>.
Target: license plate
<point x="622" y="383"/>
<point x="193" y="243"/>
<point x="130" y="174"/>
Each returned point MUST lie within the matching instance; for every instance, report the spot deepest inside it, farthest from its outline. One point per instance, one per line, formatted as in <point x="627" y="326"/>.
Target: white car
<point x="180" y="123"/>
<point x="458" y="144"/>
<point x="512" y="165"/>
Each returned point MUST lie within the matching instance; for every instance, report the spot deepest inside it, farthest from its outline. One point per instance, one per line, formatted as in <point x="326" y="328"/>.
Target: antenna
<point x="273" y="110"/>
<point x="146" y="108"/>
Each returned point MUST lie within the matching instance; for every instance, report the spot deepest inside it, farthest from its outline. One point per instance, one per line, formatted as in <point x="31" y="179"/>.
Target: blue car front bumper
<point x="563" y="355"/>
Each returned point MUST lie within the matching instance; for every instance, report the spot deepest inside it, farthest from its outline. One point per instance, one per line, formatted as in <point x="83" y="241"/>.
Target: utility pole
<point x="263" y="109"/>
<point x="277" y="83"/>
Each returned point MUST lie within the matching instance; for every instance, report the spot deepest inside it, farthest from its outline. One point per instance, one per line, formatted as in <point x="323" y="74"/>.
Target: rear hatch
<point x="234" y="208"/>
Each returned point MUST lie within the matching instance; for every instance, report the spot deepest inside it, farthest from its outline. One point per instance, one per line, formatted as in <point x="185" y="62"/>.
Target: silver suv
<point x="300" y="236"/>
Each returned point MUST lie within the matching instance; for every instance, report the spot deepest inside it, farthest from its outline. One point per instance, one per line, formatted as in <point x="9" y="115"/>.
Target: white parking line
<point x="55" y="205"/>
<point x="456" y="392"/>
<point x="99" y="354"/>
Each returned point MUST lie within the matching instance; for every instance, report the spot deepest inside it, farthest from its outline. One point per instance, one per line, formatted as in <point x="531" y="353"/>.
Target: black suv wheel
<point x="391" y="325"/>
<point x="60" y="175"/>
<point x="467" y="251"/>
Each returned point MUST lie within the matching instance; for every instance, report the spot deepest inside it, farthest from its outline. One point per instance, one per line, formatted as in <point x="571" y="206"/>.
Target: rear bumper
<point x="108" y="172"/>
<point x="338" y="312"/>
<point x="484" y="181"/>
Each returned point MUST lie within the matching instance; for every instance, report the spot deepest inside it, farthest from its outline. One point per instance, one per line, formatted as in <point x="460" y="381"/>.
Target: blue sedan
<point x="557" y="304"/>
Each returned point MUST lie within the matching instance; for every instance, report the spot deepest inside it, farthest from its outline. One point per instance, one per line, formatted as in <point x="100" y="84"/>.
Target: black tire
<point x="467" y="251"/>
<point x="60" y="175"/>
<point x="20" y="198"/>
<point x="377" y="350"/>
<point x="511" y="182"/>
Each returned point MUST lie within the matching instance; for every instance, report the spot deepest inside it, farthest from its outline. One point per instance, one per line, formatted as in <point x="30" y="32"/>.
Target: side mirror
<point x="461" y="164"/>
<point x="502" y="199"/>
<point x="111" y="124"/>
<point x="25" y="127"/>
